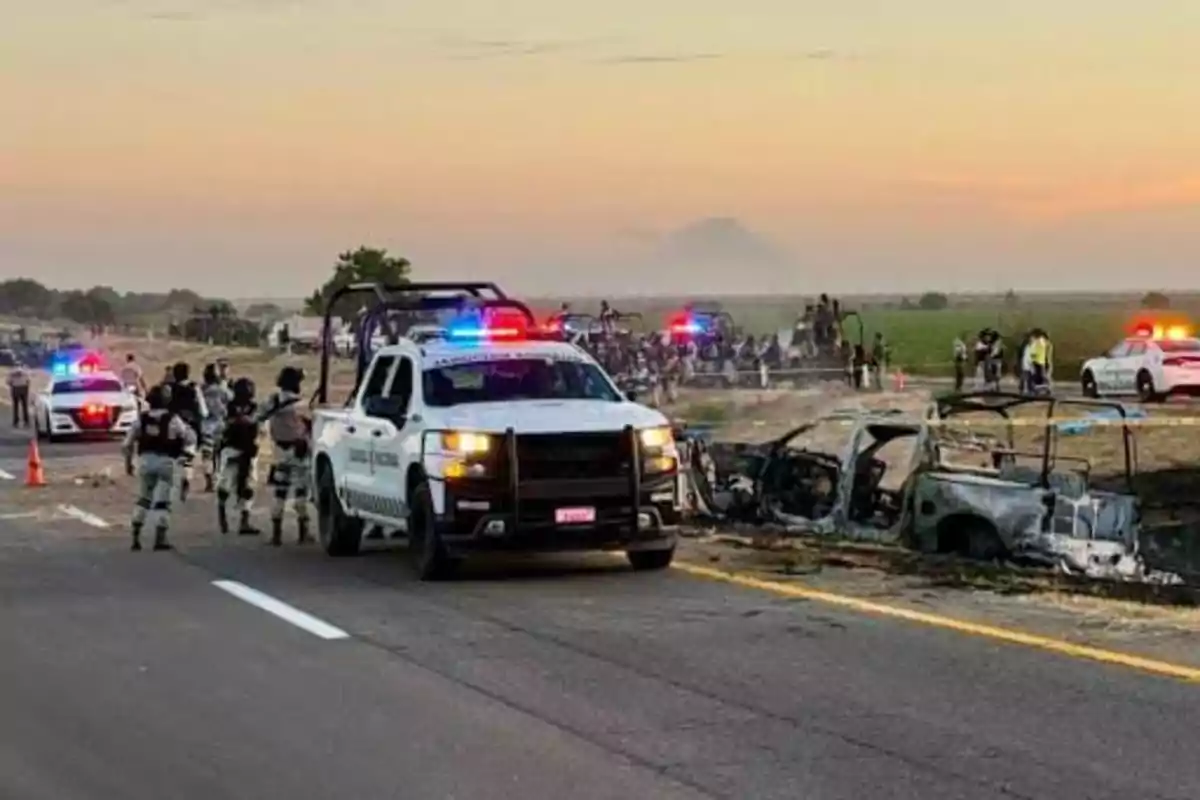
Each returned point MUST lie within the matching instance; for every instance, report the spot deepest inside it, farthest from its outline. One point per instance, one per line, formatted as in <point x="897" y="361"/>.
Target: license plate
<point x="574" y="516"/>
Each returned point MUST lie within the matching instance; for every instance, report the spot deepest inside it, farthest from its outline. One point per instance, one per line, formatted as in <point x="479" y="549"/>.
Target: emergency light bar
<point x="63" y="366"/>
<point x="686" y="324"/>
<point x="1147" y="330"/>
<point x="494" y="326"/>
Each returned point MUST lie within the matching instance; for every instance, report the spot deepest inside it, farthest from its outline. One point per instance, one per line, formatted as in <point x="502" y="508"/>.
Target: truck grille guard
<point x="635" y="475"/>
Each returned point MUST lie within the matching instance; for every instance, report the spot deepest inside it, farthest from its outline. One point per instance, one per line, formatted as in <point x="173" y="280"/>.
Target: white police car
<point x="1156" y="362"/>
<point x="82" y="401"/>
<point x="492" y="438"/>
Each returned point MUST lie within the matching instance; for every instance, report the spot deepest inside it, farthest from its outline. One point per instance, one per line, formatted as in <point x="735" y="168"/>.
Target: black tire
<point x="650" y="560"/>
<point x="1087" y="385"/>
<point x="430" y="559"/>
<point x="1145" y="388"/>
<point x="340" y="534"/>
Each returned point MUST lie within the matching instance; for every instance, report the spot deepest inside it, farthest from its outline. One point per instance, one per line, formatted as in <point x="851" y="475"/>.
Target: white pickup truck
<point x="481" y="443"/>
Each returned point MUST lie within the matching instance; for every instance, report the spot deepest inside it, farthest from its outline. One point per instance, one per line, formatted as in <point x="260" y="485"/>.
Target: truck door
<point x="361" y="491"/>
<point x="392" y="440"/>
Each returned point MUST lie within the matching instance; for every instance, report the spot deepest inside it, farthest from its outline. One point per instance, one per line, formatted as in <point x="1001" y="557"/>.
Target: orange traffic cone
<point x="34" y="474"/>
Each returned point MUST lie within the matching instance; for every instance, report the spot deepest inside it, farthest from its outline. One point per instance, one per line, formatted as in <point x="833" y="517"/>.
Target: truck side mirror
<point x="389" y="408"/>
<point x="631" y="395"/>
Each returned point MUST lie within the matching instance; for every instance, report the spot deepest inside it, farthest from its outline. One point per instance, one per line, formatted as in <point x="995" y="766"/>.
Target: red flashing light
<point x="1156" y="330"/>
<point x="684" y="324"/>
<point x="93" y="410"/>
<point x="498" y="325"/>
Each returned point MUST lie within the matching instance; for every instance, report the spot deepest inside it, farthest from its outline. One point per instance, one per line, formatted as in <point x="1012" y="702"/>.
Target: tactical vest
<point x="154" y="435"/>
<point x="184" y="403"/>
<point x="241" y="431"/>
<point x="285" y="421"/>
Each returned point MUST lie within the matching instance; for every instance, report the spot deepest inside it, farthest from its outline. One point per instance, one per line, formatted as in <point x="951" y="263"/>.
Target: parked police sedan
<point x="94" y="404"/>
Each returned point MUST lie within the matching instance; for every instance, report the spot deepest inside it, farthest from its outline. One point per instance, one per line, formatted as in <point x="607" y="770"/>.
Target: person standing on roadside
<point x="132" y="377"/>
<point x="960" y="362"/>
<point x="18" y="391"/>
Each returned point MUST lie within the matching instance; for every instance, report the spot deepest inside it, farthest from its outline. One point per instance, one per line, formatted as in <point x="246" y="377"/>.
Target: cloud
<point x="174" y="16"/>
<point x="456" y="48"/>
<point x="650" y="58"/>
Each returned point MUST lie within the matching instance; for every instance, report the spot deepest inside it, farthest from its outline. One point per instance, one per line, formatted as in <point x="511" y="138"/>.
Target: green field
<point x="921" y="341"/>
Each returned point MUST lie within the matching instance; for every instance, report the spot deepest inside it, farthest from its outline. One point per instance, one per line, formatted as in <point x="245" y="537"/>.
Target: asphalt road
<point x="134" y="676"/>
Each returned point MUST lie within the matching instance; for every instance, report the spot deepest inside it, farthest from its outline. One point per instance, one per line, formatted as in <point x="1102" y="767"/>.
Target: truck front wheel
<point x="431" y="561"/>
<point x="340" y="534"/>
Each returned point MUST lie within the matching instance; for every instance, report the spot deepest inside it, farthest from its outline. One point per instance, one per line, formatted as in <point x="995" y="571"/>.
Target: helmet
<point x="290" y="379"/>
<point x="243" y="388"/>
<point x="210" y="373"/>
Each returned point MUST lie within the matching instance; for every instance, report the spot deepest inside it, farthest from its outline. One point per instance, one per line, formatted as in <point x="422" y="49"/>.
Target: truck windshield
<point x="518" y="379"/>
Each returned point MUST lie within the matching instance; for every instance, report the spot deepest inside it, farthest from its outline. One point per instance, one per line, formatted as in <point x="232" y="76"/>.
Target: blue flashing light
<point x="689" y="325"/>
<point x="472" y="328"/>
<point x="64" y="365"/>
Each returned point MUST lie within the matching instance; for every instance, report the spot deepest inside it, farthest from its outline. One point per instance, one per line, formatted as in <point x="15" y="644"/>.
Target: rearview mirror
<point x="631" y="395"/>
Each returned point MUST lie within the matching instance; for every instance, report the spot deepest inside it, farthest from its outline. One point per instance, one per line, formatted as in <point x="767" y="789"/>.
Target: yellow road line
<point x="1009" y="635"/>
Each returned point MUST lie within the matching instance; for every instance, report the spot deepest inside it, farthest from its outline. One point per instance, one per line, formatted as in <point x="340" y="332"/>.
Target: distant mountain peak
<point x="721" y="240"/>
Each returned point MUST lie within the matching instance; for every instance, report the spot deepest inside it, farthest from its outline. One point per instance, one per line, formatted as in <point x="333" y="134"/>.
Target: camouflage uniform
<point x="289" y="429"/>
<point x="186" y="401"/>
<point x="158" y="438"/>
<point x="217" y="397"/>
<point x="238" y="456"/>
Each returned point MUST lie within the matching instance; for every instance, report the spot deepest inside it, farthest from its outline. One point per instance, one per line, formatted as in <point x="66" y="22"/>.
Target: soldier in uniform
<point x="158" y="438"/>
<point x="238" y="457"/>
<point x="289" y="428"/>
<point x="217" y="397"/>
<point x="187" y="402"/>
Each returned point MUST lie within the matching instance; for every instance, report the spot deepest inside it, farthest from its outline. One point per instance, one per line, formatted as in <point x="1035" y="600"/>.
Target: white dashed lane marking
<point x="282" y="610"/>
<point x="75" y="512"/>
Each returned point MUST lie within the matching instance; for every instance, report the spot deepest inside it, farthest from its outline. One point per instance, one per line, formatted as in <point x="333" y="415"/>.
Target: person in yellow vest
<point x="1039" y="361"/>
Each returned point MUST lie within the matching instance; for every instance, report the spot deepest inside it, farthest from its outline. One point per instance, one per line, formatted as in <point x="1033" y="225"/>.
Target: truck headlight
<point x="466" y="442"/>
<point x="657" y="438"/>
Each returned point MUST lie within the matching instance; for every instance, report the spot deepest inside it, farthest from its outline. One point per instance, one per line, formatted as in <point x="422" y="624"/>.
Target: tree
<point x="88" y="308"/>
<point x="1156" y="300"/>
<point x="1011" y="300"/>
<point x="26" y="297"/>
<point x="366" y="264"/>
<point x="263" y="311"/>
<point x="933" y="301"/>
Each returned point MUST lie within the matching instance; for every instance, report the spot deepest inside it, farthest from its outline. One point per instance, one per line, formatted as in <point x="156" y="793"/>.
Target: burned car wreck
<point x="942" y="487"/>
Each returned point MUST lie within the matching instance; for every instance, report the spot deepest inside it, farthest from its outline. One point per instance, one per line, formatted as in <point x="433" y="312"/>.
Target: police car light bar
<point x="62" y="366"/>
<point x="499" y="324"/>
<point x="1146" y="330"/>
<point x="687" y="324"/>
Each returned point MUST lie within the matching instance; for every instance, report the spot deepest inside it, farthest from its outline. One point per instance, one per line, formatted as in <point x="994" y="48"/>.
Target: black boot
<point x="245" y="528"/>
<point x="160" y="540"/>
<point x="185" y="486"/>
<point x="302" y="527"/>
<point x="276" y="532"/>
<point x="222" y="517"/>
<point x="136" y="528"/>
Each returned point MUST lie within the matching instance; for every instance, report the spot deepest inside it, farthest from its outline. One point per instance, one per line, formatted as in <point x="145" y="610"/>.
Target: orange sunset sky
<point x="235" y="146"/>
